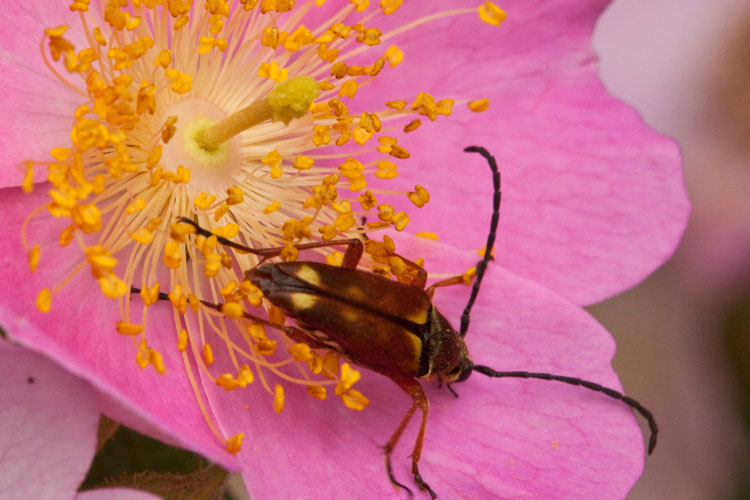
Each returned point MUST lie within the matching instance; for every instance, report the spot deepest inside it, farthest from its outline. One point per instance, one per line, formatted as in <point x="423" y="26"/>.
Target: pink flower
<point x="583" y="177"/>
<point x="49" y="422"/>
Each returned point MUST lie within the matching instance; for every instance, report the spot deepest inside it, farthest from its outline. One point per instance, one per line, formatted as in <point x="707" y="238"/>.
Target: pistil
<point x="288" y="100"/>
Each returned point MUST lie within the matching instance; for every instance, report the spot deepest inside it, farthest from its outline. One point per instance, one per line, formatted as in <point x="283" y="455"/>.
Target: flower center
<point x="224" y="136"/>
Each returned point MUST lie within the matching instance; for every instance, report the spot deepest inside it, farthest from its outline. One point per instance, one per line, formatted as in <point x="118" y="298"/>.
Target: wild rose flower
<point x="149" y="144"/>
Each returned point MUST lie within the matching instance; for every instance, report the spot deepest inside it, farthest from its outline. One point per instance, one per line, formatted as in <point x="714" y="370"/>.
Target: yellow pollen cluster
<point x="176" y="129"/>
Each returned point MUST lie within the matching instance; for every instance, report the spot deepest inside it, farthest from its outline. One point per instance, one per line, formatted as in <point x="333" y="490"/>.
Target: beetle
<point x="386" y="326"/>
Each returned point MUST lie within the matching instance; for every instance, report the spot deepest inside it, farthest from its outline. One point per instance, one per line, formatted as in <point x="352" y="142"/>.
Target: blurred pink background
<point x="685" y="66"/>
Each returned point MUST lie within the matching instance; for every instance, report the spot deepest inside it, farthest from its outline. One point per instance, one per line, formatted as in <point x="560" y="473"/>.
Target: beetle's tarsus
<point x="421" y="482"/>
<point x="395" y="483"/>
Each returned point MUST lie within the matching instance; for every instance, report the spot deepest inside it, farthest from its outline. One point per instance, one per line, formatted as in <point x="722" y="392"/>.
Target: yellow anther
<point x="303" y="163"/>
<point x="272" y="207"/>
<point x="164" y="59"/>
<point x="273" y="160"/>
<point x="227" y="381"/>
<point x="327" y="232"/>
<point x="221" y="212"/>
<point x="125" y="328"/>
<point x="181" y="82"/>
<point x="272" y="37"/>
<point x="135" y="206"/>
<point x="44" y="300"/>
<point x="348" y="89"/>
<point x="397" y="265"/>
<point x="66" y="236"/>
<point x="213" y="264"/>
<point x="150" y="295"/>
<point x="228" y="288"/>
<point x="203" y="201"/>
<point x="208" y="354"/>
<point x="28" y="178"/>
<point x="112" y="286"/>
<point x="235" y="195"/>
<point x="479" y="105"/>
<point x="354" y="400"/>
<point x="491" y="14"/>
<point x="468" y="276"/>
<point x="361" y="135"/>
<point x="289" y="253"/>
<point x="169" y="129"/>
<point x="178" y="299"/>
<point x="156" y="360"/>
<point x="427" y="236"/>
<point x="256" y="331"/>
<point x="278" y="398"/>
<point x="301" y="353"/>
<point x="424" y="104"/>
<point x="273" y="71"/>
<point x="385" y="212"/>
<point x="182" y="340"/>
<point x="265" y="347"/>
<point x="228" y="231"/>
<point x="445" y="106"/>
<point x="390" y="6"/>
<point x="361" y="5"/>
<point x="367" y="200"/>
<point x="34" y="258"/>
<point x="180" y="22"/>
<point x="370" y="36"/>
<point x="400" y="220"/>
<point x="60" y="154"/>
<point x="412" y="125"/>
<point x="172" y="256"/>
<point x="386" y="170"/>
<point x="234" y="444"/>
<point x="245" y="377"/>
<point x="87" y="218"/>
<point x="335" y="259"/>
<point x="347" y="378"/>
<point x="194" y="302"/>
<point x="399" y="152"/>
<point x="143" y="236"/>
<point x="419" y="196"/>
<point x="317" y="391"/>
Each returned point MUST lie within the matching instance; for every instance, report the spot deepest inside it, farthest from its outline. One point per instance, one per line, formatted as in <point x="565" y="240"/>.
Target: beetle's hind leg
<point x="419" y="400"/>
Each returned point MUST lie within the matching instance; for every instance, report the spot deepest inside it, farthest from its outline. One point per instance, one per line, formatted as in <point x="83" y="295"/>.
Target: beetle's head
<point x="460" y="372"/>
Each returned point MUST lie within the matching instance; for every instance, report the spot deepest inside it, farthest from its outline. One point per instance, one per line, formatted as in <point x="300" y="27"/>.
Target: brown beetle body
<point x="382" y="325"/>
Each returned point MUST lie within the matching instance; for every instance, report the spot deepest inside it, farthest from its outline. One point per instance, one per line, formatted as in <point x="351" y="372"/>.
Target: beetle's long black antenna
<point x="484" y="370"/>
<point x="482" y="264"/>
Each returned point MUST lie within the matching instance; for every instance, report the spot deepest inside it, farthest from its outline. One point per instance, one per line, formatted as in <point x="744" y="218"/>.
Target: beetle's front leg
<point x="419" y="400"/>
<point x="352" y="254"/>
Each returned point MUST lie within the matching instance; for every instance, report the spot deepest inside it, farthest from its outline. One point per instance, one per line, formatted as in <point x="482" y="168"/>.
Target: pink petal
<point x="36" y="117"/>
<point x="49" y="421"/>
<point x="593" y="200"/>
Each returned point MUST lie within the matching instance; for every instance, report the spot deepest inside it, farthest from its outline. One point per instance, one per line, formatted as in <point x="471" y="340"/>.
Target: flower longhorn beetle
<point x="335" y="308"/>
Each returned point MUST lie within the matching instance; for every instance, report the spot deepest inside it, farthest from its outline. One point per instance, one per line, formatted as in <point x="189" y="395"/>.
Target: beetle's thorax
<point x="444" y="351"/>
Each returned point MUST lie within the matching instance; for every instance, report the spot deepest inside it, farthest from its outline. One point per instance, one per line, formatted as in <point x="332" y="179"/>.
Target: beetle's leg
<point x="294" y="333"/>
<point x="419" y="400"/>
<point x="353" y="253"/>
<point x="455" y="280"/>
<point x="421" y="279"/>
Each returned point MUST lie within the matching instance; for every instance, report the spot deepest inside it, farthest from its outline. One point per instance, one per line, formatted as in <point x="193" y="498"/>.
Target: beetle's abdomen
<point x="362" y="316"/>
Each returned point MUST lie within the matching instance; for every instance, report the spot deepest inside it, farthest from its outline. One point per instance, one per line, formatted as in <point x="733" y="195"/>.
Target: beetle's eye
<point x="463" y="371"/>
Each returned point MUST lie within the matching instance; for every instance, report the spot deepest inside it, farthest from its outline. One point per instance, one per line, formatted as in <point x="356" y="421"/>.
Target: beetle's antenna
<point x="482" y="264"/>
<point x="484" y="370"/>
